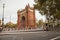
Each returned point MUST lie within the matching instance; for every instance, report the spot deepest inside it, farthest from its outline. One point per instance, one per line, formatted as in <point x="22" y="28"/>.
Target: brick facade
<point x="26" y="18"/>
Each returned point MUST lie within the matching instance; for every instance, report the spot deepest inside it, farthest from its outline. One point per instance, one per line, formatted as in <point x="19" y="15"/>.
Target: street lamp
<point x="3" y="16"/>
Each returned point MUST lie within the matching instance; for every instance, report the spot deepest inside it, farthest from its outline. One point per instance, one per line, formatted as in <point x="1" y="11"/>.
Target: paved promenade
<point x="20" y="31"/>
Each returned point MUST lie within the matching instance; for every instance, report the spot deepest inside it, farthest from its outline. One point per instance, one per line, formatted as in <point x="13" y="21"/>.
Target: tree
<point x="40" y="23"/>
<point x="10" y="25"/>
<point x="37" y="24"/>
<point x="48" y="7"/>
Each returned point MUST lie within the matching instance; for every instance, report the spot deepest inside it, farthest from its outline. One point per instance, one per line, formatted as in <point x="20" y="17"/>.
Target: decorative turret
<point x="18" y="11"/>
<point x="27" y="6"/>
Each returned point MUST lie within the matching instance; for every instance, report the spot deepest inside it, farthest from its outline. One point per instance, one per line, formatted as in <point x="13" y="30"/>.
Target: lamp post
<point x="3" y="16"/>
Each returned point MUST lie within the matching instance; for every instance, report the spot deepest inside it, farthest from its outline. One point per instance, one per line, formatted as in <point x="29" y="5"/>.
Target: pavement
<point x="38" y="35"/>
<point x="20" y="31"/>
<point x="34" y="34"/>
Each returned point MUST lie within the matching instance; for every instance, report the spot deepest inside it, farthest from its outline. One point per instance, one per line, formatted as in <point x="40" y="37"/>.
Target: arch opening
<point x="23" y="22"/>
<point x="23" y="18"/>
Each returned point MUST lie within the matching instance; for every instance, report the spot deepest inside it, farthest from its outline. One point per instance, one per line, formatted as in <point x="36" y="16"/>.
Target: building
<point x="26" y="18"/>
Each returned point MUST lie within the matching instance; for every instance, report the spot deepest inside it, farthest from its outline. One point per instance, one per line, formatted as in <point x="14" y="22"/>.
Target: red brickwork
<point x="26" y="18"/>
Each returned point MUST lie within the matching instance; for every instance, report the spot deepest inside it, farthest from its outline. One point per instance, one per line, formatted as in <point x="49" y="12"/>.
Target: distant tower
<point x="26" y="18"/>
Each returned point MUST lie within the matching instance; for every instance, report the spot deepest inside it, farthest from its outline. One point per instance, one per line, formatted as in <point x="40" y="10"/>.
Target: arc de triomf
<point x="26" y="18"/>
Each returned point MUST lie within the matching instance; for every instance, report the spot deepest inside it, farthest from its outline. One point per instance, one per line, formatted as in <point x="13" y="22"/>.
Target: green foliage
<point x="40" y="23"/>
<point x="11" y="25"/>
<point x="37" y="24"/>
<point x="48" y="7"/>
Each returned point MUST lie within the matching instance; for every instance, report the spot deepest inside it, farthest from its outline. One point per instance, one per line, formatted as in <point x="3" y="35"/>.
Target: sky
<point x="11" y="7"/>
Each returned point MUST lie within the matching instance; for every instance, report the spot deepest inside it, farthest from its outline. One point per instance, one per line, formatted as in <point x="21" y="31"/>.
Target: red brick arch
<point x="26" y="17"/>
